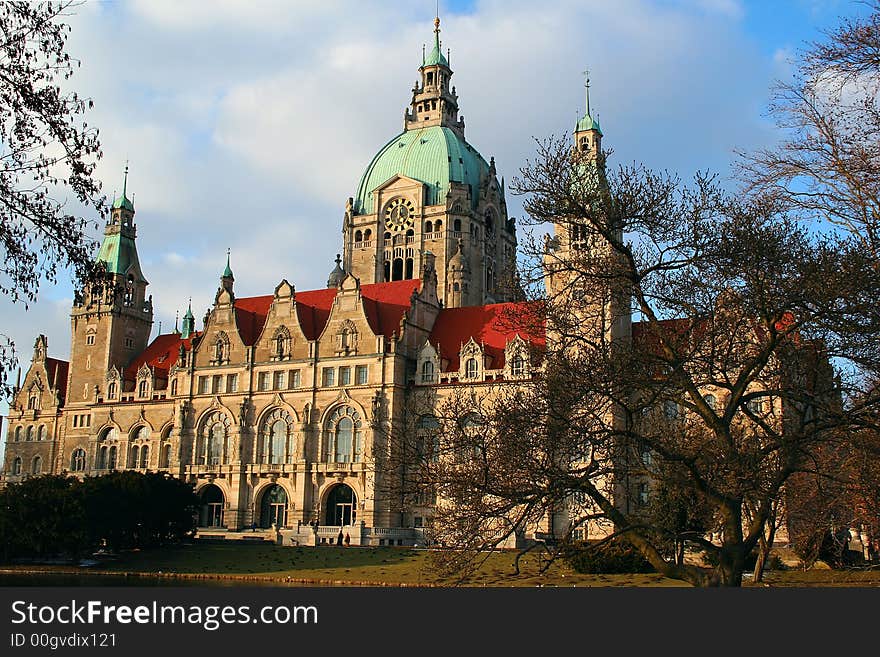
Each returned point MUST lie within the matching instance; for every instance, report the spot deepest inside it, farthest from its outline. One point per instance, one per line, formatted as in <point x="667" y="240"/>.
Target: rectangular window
<point x="76" y="421"/>
<point x="418" y="521"/>
<point x="90" y="339"/>
<point x="361" y="375"/>
<point x="345" y="376"/>
<point x="328" y="377"/>
<point x="294" y="380"/>
<point x="203" y="385"/>
<point x="278" y="383"/>
<point x="88" y="420"/>
<point x="263" y="381"/>
<point x="216" y="382"/>
<point x="232" y="383"/>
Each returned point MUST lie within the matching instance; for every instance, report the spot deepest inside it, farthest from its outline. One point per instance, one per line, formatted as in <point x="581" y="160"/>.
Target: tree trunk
<point x="765" y="545"/>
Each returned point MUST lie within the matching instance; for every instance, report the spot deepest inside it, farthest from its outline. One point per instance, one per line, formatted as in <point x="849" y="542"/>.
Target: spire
<point x="436" y="55"/>
<point x="176" y="319"/>
<point x="227" y="273"/>
<point x="123" y="201"/>
<point x="587" y="122"/>
<point x="189" y="322"/>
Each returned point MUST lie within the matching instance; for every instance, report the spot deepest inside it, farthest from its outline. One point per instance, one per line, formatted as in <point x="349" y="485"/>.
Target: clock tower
<point x="429" y="190"/>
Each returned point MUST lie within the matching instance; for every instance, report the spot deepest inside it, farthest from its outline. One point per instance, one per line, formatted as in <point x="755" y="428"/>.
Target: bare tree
<point x="731" y="379"/>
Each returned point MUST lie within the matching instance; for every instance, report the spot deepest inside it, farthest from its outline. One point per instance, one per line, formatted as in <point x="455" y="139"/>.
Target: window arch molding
<point x="276" y="439"/>
<point x="344" y="435"/>
<point x="212" y="444"/>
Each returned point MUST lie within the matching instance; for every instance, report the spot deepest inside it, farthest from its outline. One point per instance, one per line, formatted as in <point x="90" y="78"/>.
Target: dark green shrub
<point x="616" y="556"/>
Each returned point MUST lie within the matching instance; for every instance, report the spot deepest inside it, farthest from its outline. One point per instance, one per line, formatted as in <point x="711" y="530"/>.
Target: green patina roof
<point x="119" y="254"/>
<point x="436" y="56"/>
<point x="435" y="156"/>
<point x="123" y="202"/>
<point x="588" y="123"/>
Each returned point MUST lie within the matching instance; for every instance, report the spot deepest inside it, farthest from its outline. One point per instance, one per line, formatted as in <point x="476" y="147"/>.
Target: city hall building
<point x="276" y="408"/>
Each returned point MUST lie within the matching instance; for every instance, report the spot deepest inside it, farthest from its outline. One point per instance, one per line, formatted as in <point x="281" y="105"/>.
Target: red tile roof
<point x="160" y="354"/>
<point x="250" y="316"/>
<point x="385" y="304"/>
<point x="59" y="368"/>
<point x="493" y="326"/>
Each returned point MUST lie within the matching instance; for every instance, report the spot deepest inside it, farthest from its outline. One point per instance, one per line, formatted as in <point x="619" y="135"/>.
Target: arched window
<point x="18" y="431"/>
<point x="358" y="236"/>
<point x="276" y="438"/>
<point x="142" y="388"/>
<point x="111" y="458"/>
<point x="145" y="457"/>
<point x="344" y="434"/>
<point x="471" y="368"/>
<point x="438" y="226"/>
<point x="397" y="269"/>
<point x="216" y="443"/>
<point x="30" y="433"/>
<point x="16" y="466"/>
<point x="368" y="234"/>
<point x="102" y="457"/>
<point x="518" y="365"/>
<point x="456" y="225"/>
<point x="165" y="456"/>
<point x="42" y="433"/>
<point x="212" y="444"/>
<point x="111" y="391"/>
<point x="429" y="227"/>
<point x="409" y="269"/>
<point x="427" y="372"/>
<point x="37" y="465"/>
<point x="135" y="455"/>
<point x="78" y="460"/>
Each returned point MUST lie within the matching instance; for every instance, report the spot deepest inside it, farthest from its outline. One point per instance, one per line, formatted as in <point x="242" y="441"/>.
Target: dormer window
<point x="518" y="365"/>
<point x="471" y="368"/>
<point x="427" y="372"/>
<point x="111" y="391"/>
<point x="142" y="389"/>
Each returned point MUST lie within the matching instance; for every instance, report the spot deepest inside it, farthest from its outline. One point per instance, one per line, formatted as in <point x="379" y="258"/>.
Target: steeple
<point x="189" y="322"/>
<point x="227" y="279"/>
<point x="118" y="251"/>
<point x="587" y="133"/>
<point x="434" y="102"/>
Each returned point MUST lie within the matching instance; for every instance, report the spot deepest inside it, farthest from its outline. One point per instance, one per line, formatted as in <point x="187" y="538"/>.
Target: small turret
<point x="227" y="279"/>
<point x="189" y="323"/>
<point x="337" y="275"/>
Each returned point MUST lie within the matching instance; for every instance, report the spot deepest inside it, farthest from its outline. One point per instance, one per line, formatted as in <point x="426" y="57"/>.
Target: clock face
<point x="399" y="214"/>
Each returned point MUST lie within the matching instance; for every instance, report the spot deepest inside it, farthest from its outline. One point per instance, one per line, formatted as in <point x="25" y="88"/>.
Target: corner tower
<point x="426" y="190"/>
<point x="111" y="320"/>
<point x="602" y="308"/>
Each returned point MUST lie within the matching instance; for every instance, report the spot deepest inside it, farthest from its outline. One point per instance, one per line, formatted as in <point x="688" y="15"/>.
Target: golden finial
<point x="436" y="23"/>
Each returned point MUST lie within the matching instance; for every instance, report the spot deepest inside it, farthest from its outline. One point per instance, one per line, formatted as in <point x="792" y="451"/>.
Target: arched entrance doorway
<point x="341" y="506"/>
<point x="273" y="507"/>
<point x="211" y="514"/>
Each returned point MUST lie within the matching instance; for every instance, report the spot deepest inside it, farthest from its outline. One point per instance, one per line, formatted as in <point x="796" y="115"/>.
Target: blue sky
<point x="247" y="125"/>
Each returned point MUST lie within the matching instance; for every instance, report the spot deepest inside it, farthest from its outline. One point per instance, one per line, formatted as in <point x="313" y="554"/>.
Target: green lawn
<point x="267" y="563"/>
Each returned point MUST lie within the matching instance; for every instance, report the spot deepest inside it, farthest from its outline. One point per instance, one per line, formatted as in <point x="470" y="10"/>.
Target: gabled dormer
<point x="471" y="361"/>
<point x="428" y="365"/>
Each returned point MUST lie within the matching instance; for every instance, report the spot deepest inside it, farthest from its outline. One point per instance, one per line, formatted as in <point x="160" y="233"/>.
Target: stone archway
<point x="212" y="503"/>
<point x="341" y="506"/>
<point x="273" y="507"/>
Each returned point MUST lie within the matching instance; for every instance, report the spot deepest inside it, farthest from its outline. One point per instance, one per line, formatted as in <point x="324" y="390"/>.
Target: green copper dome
<point x="124" y="203"/>
<point x="588" y="123"/>
<point x="435" y="156"/>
